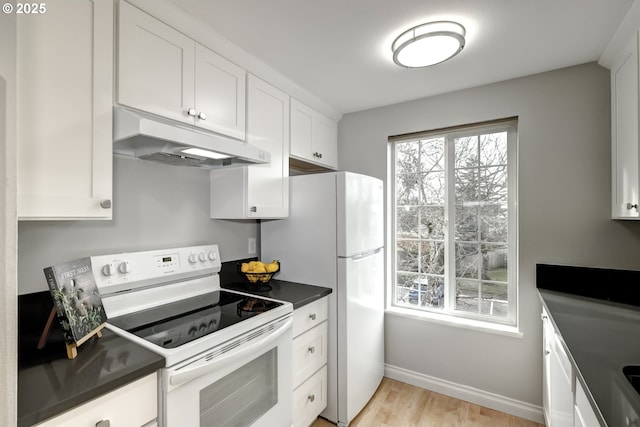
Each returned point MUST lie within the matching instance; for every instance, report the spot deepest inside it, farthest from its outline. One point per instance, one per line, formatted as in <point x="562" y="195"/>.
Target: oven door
<point x="245" y="382"/>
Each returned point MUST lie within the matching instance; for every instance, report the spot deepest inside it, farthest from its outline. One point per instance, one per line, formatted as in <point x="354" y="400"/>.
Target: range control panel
<point x="125" y="271"/>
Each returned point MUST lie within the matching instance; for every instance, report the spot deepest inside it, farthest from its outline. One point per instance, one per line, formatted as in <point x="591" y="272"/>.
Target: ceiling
<point x="339" y="50"/>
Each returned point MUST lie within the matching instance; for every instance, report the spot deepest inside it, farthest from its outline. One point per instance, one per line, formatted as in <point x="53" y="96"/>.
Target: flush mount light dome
<point x="428" y="44"/>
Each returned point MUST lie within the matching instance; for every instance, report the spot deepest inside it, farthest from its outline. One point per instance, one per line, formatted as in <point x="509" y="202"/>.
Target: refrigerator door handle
<point x="363" y="254"/>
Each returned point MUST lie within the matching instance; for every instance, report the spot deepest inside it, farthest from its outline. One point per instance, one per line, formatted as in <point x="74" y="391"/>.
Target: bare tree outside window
<point x="452" y="213"/>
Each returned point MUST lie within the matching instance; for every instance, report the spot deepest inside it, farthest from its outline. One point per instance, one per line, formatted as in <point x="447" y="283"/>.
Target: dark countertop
<point x="600" y="336"/>
<point x="297" y="294"/>
<point x="49" y="383"/>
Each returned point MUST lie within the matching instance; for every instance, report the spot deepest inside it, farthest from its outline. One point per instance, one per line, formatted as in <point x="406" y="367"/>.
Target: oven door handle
<point x="203" y="366"/>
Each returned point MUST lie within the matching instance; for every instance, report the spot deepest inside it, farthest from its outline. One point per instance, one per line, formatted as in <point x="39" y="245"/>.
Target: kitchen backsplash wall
<point x="155" y="206"/>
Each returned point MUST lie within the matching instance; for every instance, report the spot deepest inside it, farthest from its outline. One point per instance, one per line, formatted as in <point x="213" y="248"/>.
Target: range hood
<point x="150" y="137"/>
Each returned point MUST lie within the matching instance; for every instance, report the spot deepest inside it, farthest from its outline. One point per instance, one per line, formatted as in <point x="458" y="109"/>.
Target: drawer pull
<point x="311" y="349"/>
<point x="312" y="316"/>
<point x="103" y="423"/>
<point x="311" y="397"/>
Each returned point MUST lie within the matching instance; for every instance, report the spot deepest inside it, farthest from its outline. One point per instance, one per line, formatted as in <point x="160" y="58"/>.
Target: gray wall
<point x="155" y="206"/>
<point x="564" y="212"/>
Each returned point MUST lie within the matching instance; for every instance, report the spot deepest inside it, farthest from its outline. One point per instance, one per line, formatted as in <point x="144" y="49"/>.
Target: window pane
<point x="493" y="149"/>
<point x="407" y="189"/>
<point x="466" y="223"/>
<point x="467" y="185"/>
<point x="493" y="222"/>
<point x="407" y="256"/>
<point x="466" y="152"/>
<point x="432" y="223"/>
<point x="493" y="184"/>
<point x="432" y="257"/>
<point x="494" y="262"/>
<point x="407" y="157"/>
<point x="433" y="188"/>
<point x="495" y="299"/>
<point x="432" y="154"/>
<point x="407" y="222"/>
<point x="404" y="282"/>
<point x="467" y="295"/>
<point x="467" y="260"/>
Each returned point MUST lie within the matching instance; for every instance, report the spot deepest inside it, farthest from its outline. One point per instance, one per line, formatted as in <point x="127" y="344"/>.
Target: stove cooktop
<point x="172" y="325"/>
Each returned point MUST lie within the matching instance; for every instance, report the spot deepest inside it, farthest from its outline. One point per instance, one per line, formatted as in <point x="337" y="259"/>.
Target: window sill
<point x="457" y="322"/>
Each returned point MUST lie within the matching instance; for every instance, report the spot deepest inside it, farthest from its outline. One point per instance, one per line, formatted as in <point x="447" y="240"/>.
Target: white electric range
<point x="228" y="354"/>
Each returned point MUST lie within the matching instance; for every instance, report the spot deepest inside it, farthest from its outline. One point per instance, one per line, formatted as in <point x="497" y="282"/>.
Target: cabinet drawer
<point x="309" y="353"/>
<point x="309" y="316"/>
<point x="310" y="399"/>
<point x="135" y="404"/>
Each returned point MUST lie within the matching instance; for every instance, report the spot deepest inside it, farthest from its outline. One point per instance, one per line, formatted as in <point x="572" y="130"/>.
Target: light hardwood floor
<point x="396" y="404"/>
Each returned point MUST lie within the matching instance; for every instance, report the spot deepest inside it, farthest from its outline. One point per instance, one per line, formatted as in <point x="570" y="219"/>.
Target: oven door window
<point x="242" y="396"/>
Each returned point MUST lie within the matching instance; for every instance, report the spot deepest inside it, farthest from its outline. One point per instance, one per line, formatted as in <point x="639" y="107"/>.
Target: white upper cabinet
<point x="220" y="94"/>
<point x="258" y="191"/>
<point x="314" y="137"/>
<point x="624" y="133"/>
<point x="164" y="72"/>
<point x="64" y="111"/>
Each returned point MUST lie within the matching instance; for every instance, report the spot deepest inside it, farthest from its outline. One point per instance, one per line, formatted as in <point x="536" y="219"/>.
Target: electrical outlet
<point x="252" y="245"/>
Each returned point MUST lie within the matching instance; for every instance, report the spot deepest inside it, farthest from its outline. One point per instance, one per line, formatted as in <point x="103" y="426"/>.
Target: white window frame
<point x="508" y="324"/>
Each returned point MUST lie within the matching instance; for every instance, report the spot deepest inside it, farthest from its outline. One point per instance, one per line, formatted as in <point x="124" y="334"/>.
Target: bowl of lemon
<point x="258" y="273"/>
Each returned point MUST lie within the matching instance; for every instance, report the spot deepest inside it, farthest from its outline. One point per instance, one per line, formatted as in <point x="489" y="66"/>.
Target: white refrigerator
<point x="334" y="237"/>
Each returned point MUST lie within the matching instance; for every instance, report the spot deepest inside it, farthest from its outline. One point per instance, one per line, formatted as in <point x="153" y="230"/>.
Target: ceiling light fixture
<point x="428" y="44"/>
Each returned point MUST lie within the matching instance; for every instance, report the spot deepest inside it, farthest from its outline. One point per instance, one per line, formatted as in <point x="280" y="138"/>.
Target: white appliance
<point x="334" y="237"/>
<point x="228" y="354"/>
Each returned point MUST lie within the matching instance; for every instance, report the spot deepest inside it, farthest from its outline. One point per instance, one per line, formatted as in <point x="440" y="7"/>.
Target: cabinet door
<point x="624" y="127"/>
<point x="547" y="334"/>
<point x="257" y="191"/>
<point x="301" y="130"/>
<point x="560" y="386"/>
<point x="325" y="141"/>
<point x="134" y="404"/>
<point x="584" y="416"/>
<point x="268" y="128"/>
<point x="155" y="66"/>
<point x="64" y="112"/>
<point x="219" y="94"/>
<point x="314" y="137"/>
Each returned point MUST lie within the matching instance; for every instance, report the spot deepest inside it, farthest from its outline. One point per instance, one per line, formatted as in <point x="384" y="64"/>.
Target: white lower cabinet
<point x="133" y="405"/>
<point x="583" y="415"/>
<point x="309" y="362"/>
<point x="564" y="400"/>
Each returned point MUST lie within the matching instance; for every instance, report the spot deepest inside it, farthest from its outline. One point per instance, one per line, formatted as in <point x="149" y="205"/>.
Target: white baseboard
<point x="466" y="393"/>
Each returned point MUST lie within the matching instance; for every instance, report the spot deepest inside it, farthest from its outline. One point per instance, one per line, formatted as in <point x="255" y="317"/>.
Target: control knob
<point x="192" y="258"/>
<point x="124" y="267"/>
<point x="212" y="256"/>
<point x="108" y="270"/>
<point x="192" y="331"/>
<point x="202" y="257"/>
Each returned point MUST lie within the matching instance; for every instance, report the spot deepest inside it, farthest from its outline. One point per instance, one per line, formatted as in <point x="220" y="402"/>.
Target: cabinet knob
<point x="632" y="206"/>
<point x="253" y="209"/>
<point x="312" y="316"/>
<point x="105" y="204"/>
<point x="311" y="397"/>
<point x="191" y="112"/>
<point x="311" y="349"/>
<point x="103" y="423"/>
<point x="547" y="352"/>
<point x="202" y="116"/>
